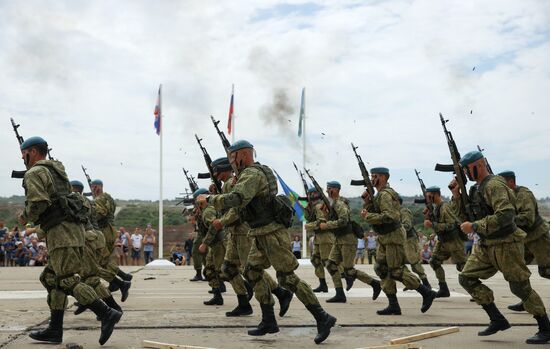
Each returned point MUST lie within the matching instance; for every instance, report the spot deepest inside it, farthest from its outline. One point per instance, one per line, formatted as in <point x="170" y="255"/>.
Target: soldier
<point x="198" y="257"/>
<point x="383" y="214"/>
<point x="255" y="194"/>
<point x="103" y="213"/>
<point x="500" y="248"/>
<point x="50" y="204"/>
<point x="344" y="246"/>
<point x="412" y="245"/>
<point x="537" y="242"/>
<point x="94" y="246"/>
<point x="449" y="242"/>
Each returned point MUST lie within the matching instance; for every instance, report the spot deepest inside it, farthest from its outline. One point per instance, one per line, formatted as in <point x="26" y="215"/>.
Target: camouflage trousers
<point x="412" y="251"/>
<point x="540" y="249"/>
<point x="390" y="267"/>
<point x="273" y="249"/>
<point x="199" y="259"/>
<point x="319" y="258"/>
<point x="214" y="261"/>
<point x="344" y="254"/>
<point x="507" y="258"/>
<point x="236" y="255"/>
<point x="61" y="277"/>
<point x="90" y="272"/>
<point x="453" y="249"/>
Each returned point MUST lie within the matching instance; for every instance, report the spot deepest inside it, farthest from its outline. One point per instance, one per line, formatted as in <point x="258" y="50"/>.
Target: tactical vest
<point x="65" y="205"/>
<point x="260" y="210"/>
<point x="484" y="209"/>
<point x="538" y="219"/>
<point x="341" y="231"/>
<point x="385" y="228"/>
<point x="447" y="234"/>
<point x="103" y="222"/>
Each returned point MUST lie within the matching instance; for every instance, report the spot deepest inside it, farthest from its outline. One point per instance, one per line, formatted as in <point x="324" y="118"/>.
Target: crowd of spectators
<point x="21" y="247"/>
<point x="138" y="247"/>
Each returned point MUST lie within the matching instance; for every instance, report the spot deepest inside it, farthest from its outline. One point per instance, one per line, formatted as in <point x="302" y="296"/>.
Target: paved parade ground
<point x="164" y="306"/>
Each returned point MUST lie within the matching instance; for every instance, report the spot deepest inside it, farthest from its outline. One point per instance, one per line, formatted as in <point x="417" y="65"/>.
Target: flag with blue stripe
<point x="293" y="197"/>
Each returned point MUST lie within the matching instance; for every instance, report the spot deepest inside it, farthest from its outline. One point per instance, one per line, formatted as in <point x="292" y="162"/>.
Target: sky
<point x="84" y="75"/>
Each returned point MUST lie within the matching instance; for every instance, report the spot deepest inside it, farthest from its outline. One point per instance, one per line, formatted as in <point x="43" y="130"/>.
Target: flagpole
<point x="161" y="230"/>
<point x="304" y="233"/>
<point x="233" y="117"/>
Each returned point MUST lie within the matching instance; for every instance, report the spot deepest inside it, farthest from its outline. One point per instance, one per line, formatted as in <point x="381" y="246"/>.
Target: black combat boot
<point x="393" y="307"/>
<point x="108" y="316"/>
<point x="285" y="297"/>
<point x="198" y="276"/>
<point x="349" y="282"/>
<point x="110" y="301"/>
<point x="54" y="332"/>
<point x="242" y="309"/>
<point x="376" y="289"/>
<point x="124" y="276"/>
<point x="322" y="286"/>
<point x="217" y="299"/>
<point x="517" y="307"/>
<point x="222" y="287"/>
<point x="428" y="296"/>
<point x="443" y="291"/>
<point x="340" y="296"/>
<point x="543" y="335"/>
<point x="426" y="283"/>
<point x="498" y="321"/>
<point x="249" y="290"/>
<point x="80" y="308"/>
<point x="123" y="286"/>
<point x="268" y="323"/>
<point x="325" y="322"/>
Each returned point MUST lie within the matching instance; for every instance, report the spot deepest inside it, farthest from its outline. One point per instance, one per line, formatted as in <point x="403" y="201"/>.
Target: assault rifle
<point x="457" y="169"/>
<point x="426" y="200"/>
<point x="319" y="189"/>
<point x="192" y="184"/>
<point x="208" y="161"/>
<point x="89" y="180"/>
<point x="225" y="144"/>
<point x="487" y="162"/>
<point x="20" y="140"/>
<point x="366" y="182"/>
<point x="304" y="183"/>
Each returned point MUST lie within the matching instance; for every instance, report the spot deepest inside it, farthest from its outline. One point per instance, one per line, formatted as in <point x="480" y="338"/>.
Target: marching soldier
<point x="537" y="242"/>
<point x="412" y="245"/>
<point x="198" y="257"/>
<point x="344" y="247"/>
<point x="500" y="248"/>
<point x="449" y="242"/>
<point x="383" y="215"/>
<point x="255" y="194"/>
<point x="50" y="204"/>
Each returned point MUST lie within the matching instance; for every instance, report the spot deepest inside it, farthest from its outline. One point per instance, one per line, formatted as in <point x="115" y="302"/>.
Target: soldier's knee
<point x="396" y="274"/>
<point x="252" y="274"/>
<point x="68" y="283"/>
<point x="229" y="270"/>
<point x="460" y="266"/>
<point x="210" y="272"/>
<point x="331" y="267"/>
<point x="544" y="271"/>
<point x="521" y="289"/>
<point x="381" y="269"/>
<point x="350" y="272"/>
<point x="47" y="279"/>
<point x="467" y="283"/>
<point x="288" y="280"/>
<point x="435" y="263"/>
<point x="316" y="261"/>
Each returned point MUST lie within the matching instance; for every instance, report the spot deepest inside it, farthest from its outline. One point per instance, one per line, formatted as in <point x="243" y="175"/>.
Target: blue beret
<point x="221" y="164"/>
<point x="471" y="157"/>
<point x="334" y="184"/>
<point x="32" y="141"/>
<point x="433" y="189"/>
<point x="78" y="184"/>
<point x="200" y="191"/>
<point x="311" y="190"/>
<point x="380" y="170"/>
<point x="507" y="174"/>
<point x="97" y="182"/>
<point x="238" y="145"/>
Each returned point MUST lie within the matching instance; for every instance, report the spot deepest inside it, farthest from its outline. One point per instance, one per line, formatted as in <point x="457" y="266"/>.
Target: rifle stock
<point x="208" y="161"/>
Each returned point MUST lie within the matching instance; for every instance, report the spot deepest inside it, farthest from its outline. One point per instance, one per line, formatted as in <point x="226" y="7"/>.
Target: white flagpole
<point x="161" y="233"/>
<point x="304" y="233"/>
<point x="233" y="116"/>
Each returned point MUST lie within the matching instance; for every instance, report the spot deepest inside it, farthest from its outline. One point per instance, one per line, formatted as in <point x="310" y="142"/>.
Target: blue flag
<point x="293" y="197"/>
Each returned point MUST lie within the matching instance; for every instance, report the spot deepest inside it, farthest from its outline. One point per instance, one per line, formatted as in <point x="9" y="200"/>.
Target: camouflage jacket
<point x="251" y="183"/>
<point x="384" y="209"/>
<point x="407" y="222"/>
<point x="341" y="220"/>
<point x="231" y="219"/>
<point x="527" y="216"/>
<point x="446" y="224"/>
<point x="39" y="189"/>
<point x="103" y="213"/>
<point x="207" y="216"/>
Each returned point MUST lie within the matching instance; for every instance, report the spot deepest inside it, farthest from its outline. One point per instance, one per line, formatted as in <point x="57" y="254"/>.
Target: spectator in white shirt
<point x="136" y="239"/>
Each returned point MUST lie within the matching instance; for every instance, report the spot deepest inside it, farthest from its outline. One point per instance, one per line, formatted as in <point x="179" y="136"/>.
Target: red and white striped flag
<point x="230" y="118"/>
<point x="157" y="113"/>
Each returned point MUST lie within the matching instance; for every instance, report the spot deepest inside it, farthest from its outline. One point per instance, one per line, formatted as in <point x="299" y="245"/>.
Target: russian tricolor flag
<point x="158" y="113"/>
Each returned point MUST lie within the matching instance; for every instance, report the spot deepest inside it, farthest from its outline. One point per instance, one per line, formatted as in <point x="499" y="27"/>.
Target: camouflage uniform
<point x="322" y="240"/>
<point x="199" y="258"/>
<point x="500" y="247"/>
<point x="61" y="277"/>
<point x="216" y="247"/>
<point x="412" y="245"/>
<point x="449" y="243"/>
<point x="103" y="208"/>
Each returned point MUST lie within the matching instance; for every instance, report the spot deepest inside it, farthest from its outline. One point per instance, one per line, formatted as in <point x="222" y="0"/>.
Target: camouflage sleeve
<point x="406" y="219"/>
<point x="247" y="186"/>
<point x="447" y="221"/>
<point x="318" y="216"/>
<point x="208" y="216"/>
<point x="101" y="206"/>
<point x="342" y="215"/>
<point x="459" y="209"/>
<point x="309" y="212"/>
<point x="526" y="208"/>
<point x="388" y="213"/>
<point x="497" y="196"/>
<point x="36" y="181"/>
<point x="231" y="216"/>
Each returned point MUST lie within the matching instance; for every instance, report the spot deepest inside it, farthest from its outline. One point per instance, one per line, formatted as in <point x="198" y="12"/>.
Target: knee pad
<point x="544" y="271"/>
<point x="468" y="283"/>
<point x="288" y="280"/>
<point x="435" y="263"/>
<point x="316" y="261"/>
<point x="229" y="270"/>
<point x="460" y="266"/>
<point x="396" y="274"/>
<point x="381" y="269"/>
<point x="68" y="283"/>
<point x="252" y="274"/>
<point x="521" y="289"/>
<point x="47" y="279"/>
<point x="210" y="273"/>
<point x="331" y="267"/>
<point x="350" y="272"/>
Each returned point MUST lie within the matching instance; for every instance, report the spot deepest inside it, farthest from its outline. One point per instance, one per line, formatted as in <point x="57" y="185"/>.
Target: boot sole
<point x="431" y="300"/>
<point x="337" y="301"/>
<point x="228" y="314"/>
<point x="490" y="334"/>
<point x="383" y="314"/>
<point x="111" y="329"/>
<point x="273" y="330"/>
<point x="331" y="322"/>
<point x="46" y="340"/>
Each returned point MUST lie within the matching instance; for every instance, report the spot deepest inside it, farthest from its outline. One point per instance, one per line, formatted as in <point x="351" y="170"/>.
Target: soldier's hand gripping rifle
<point x="208" y="161"/>
<point x="192" y="184"/>
<point x="17" y="174"/>
<point x="319" y="189"/>
<point x="457" y="169"/>
<point x="89" y="180"/>
<point x="426" y="201"/>
<point x="366" y="182"/>
<point x="304" y="183"/>
<point x="225" y="144"/>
